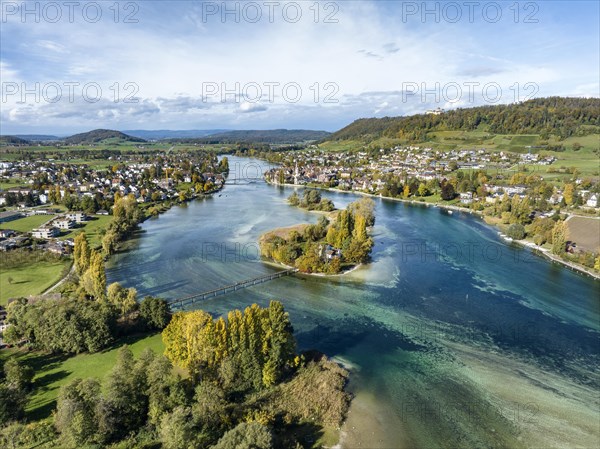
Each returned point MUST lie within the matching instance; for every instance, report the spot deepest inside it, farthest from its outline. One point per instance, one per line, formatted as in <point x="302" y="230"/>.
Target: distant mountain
<point x="38" y="137"/>
<point x="13" y="140"/>
<point x="273" y="136"/>
<point x="173" y="134"/>
<point x="100" y="135"/>
<point x="557" y="116"/>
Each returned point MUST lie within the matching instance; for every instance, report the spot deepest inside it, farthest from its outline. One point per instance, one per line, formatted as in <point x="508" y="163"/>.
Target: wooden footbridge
<point x="188" y="300"/>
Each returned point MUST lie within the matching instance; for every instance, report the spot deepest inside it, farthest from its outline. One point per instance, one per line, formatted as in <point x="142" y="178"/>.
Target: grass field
<point x="52" y="372"/>
<point x="12" y="183"/>
<point x="92" y="229"/>
<point x="342" y="145"/>
<point x="30" y="279"/>
<point x="26" y="224"/>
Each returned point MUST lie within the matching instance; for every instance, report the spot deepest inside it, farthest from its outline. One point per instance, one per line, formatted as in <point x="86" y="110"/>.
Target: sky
<point x="73" y="66"/>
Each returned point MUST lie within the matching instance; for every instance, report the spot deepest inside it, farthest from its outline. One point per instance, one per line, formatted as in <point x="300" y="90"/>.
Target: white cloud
<point x="369" y="56"/>
<point x="247" y="107"/>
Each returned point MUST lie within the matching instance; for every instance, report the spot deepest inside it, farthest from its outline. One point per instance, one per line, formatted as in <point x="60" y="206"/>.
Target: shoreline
<point x="62" y="280"/>
<point x="323" y="275"/>
<point x="450" y="207"/>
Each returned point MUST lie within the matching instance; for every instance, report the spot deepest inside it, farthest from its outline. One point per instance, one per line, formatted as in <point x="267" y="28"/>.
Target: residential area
<point x="50" y="201"/>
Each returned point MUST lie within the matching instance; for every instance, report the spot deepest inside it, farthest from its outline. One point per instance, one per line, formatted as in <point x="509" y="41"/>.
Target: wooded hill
<point x="272" y="136"/>
<point x="553" y="116"/>
<point x="100" y="135"/>
<point x="13" y="140"/>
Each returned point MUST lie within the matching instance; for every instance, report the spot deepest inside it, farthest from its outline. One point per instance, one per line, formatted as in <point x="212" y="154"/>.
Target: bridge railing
<point x="182" y="302"/>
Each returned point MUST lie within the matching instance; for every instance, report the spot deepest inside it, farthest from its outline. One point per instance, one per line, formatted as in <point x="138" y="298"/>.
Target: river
<point x="454" y="338"/>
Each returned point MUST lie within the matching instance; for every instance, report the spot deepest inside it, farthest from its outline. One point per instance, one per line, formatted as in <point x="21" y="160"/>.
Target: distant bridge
<point x="188" y="300"/>
<point x="232" y="180"/>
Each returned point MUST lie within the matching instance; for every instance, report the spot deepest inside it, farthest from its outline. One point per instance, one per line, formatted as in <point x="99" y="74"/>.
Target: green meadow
<point x="53" y="371"/>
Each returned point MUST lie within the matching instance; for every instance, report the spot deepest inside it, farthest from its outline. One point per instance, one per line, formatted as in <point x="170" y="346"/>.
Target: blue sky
<point x="305" y="64"/>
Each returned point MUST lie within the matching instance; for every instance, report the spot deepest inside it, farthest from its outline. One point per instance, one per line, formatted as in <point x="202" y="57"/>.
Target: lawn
<point x="92" y="229"/>
<point x="52" y="372"/>
<point x="4" y="185"/>
<point x="30" y="279"/>
<point x="26" y="224"/>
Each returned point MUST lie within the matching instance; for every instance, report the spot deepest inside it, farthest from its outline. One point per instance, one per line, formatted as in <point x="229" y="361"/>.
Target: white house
<point x="64" y="223"/>
<point x="46" y="232"/>
<point x="76" y="216"/>
<point x="592" y="201"/>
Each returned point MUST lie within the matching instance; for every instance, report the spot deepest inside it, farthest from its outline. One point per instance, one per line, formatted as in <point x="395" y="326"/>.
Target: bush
<point x="516" y="231"/>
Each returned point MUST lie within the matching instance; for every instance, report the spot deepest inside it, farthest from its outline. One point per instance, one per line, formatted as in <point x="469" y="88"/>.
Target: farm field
<point x="585" y="231"/>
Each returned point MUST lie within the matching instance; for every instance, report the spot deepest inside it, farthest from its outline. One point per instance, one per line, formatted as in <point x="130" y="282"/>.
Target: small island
<point x="337" y="243"/>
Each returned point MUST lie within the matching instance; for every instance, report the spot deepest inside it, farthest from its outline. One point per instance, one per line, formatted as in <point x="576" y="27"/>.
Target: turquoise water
<point x="453" y="337"/>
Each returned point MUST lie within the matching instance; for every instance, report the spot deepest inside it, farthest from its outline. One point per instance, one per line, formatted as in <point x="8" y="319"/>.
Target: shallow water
<point x="455" y="338"/>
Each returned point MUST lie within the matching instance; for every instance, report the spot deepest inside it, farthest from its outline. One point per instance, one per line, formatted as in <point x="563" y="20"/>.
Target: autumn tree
<point x="559" y="237"/>
<point x="256" y="345"/>
<point x="81" y="253"/>
<point x="124" y="299"/>
<point x="569" y="194"/>
<point x="93" y="280"/>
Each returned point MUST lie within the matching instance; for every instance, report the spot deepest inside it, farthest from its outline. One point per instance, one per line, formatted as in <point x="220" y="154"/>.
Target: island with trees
<point x="332" y="245"/>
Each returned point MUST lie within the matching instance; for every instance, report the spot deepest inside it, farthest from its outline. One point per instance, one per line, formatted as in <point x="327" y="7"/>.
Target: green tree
<point x="12" y="404"/>
<point x="65" y="325"/>
<point x="75" y="416"/>
<point x="448" y="192"/>
<point x="17" y="375"/>
<point x="209" y="408"/>
<point x="124" y="407"/>
<point x="177" y="429"/>
<point x="293" y="199"/>
<point x="154" y="312"/>
<point x="246" y="436"/>
<point x="516" y="231"/>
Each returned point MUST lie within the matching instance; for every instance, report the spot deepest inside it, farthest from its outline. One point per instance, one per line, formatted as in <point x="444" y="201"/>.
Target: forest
<point x="554" y="116"/>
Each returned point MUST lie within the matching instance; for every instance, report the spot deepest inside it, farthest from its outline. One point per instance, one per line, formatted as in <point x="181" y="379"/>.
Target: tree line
<point x="231" y="383"/>
<point x="560" y="117"/>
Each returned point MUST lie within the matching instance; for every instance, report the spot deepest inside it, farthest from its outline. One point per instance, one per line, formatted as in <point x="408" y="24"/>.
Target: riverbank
<point x="452" y="208"/>
<point x="274" y="263"/>
<point x="388" y="318"/>
<point x="333" y="246"/>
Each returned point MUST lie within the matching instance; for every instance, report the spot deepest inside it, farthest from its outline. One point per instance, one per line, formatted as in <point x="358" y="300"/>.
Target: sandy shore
<point x="371" y="425"/>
